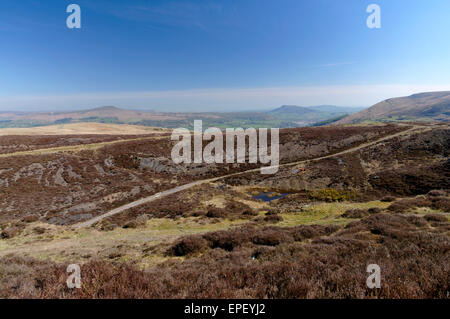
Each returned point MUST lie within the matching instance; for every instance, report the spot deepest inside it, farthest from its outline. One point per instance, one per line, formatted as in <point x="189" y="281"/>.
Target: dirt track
<point x="190" y="185"/>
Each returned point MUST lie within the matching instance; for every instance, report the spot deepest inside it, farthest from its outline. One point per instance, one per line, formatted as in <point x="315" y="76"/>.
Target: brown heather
<point x="272" y="262"/>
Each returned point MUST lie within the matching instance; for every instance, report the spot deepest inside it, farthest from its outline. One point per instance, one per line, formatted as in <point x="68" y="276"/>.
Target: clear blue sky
<point x="219" y="55"/>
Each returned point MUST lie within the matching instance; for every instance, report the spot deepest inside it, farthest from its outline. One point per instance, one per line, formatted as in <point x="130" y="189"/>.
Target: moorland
<point x="344" y="197"/>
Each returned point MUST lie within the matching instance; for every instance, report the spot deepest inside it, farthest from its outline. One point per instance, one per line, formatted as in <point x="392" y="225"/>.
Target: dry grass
<point x="83" y="128"/>
<point x="62" y="244"/>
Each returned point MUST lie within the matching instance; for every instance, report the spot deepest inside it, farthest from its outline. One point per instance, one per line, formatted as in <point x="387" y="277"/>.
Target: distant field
<point x="82" y="128"/>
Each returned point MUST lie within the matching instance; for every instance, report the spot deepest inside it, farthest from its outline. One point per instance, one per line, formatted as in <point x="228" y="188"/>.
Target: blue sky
<point x="219" y="55"/>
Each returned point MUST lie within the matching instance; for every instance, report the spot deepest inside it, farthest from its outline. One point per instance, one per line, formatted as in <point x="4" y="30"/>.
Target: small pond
<point x="268" y="196"/>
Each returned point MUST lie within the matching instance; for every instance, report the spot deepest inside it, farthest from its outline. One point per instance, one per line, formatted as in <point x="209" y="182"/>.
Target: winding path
<point x="177" y="189"/>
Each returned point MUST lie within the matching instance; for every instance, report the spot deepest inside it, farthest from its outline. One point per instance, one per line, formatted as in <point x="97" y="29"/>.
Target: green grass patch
<point x="325" y="213"/>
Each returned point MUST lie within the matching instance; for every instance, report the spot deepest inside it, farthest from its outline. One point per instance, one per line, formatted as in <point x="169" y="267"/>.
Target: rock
<point x="142" y="220"/>
<point x="59" y="179"/>
<point x="9" y="232"/>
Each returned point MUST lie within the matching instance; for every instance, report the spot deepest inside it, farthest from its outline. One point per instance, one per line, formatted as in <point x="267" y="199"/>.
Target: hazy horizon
<point x="69" y="110"/>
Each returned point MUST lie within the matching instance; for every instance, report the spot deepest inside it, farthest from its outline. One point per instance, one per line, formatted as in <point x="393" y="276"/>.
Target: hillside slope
<point x="311" y="115"/>
<point x="432" y="106"/>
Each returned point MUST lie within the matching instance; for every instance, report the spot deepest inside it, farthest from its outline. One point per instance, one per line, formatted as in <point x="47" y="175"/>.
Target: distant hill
<point x="293" y="109"/>
<point x="432" y="106"/>
<point x="332" y="109"/>
<point x="312" y="115"/>
<point x="337" y="109"/>
<point x="104" y="114"/>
